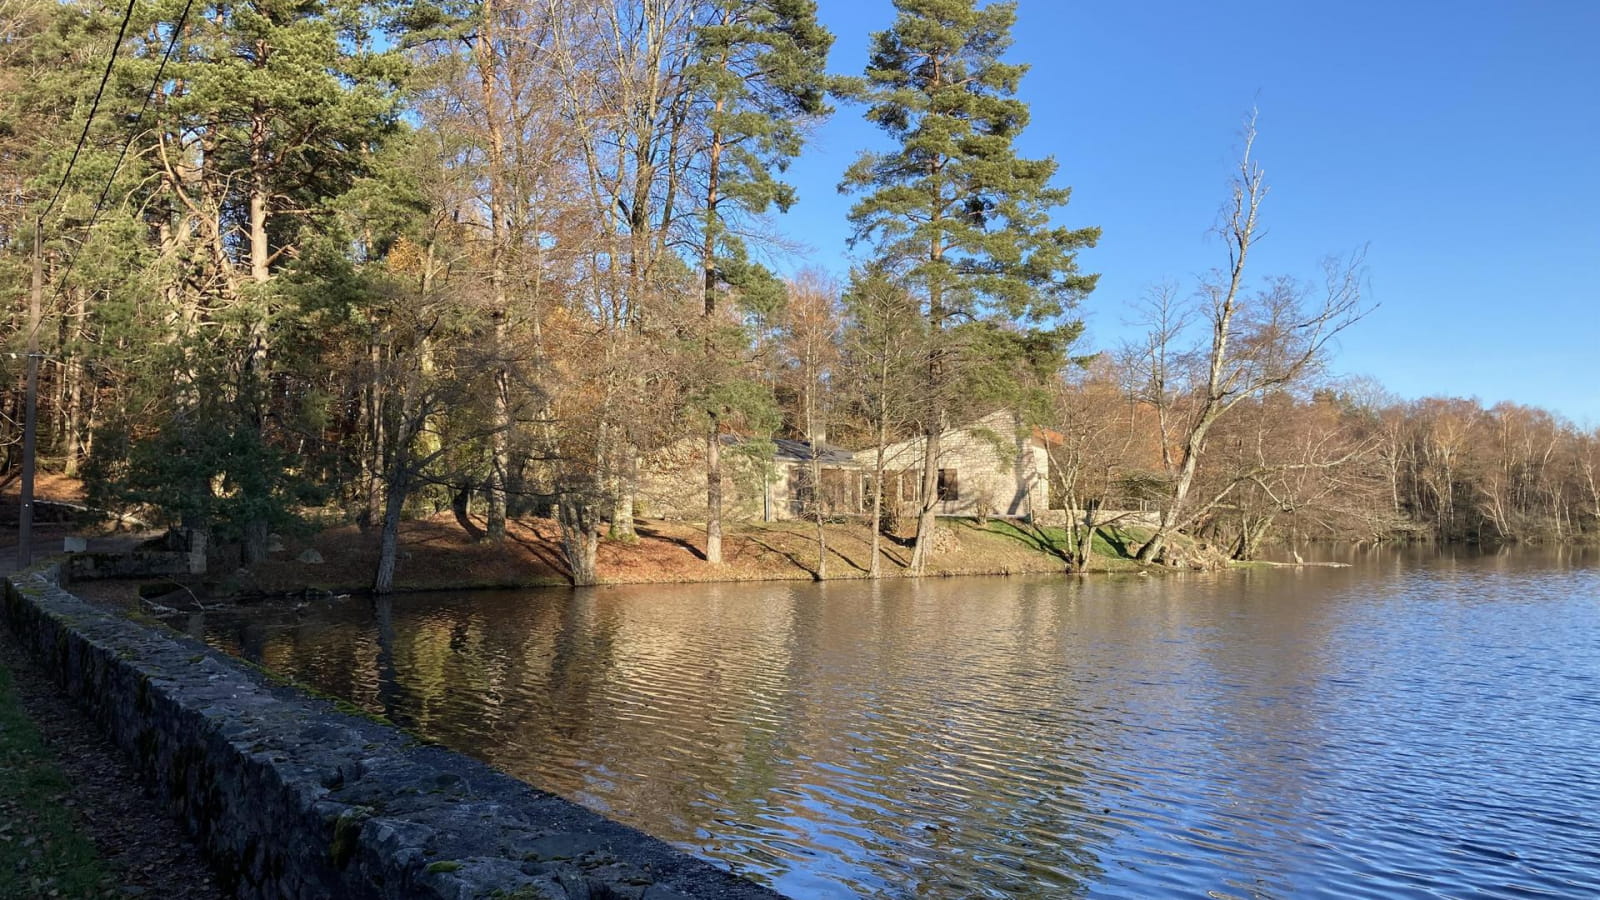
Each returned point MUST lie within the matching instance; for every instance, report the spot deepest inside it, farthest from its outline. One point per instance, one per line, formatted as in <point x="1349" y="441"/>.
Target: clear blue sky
<point x="1459" y="141"/>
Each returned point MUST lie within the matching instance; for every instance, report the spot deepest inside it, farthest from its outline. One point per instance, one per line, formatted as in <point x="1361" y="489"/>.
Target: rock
<point x="943" y="540"/>
<point x="274" y="543"/>
<point x="74" y="545"/>
<point x="561" y="847"/>
<point x="311" y="557"/>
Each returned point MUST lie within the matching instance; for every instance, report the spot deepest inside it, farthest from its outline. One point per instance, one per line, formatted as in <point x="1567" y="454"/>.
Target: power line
<point x="155" y="84"/>
<point x="31" y="403"/>
<point x="105" y="76"/>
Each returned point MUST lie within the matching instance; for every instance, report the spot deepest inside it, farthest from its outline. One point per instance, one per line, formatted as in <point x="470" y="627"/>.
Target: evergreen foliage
<point x="953" y="206"/>
<point x="959" y="215"/>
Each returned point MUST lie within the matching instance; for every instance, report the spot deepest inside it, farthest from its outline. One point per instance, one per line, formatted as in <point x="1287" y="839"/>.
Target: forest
<point x="278" y="264"/>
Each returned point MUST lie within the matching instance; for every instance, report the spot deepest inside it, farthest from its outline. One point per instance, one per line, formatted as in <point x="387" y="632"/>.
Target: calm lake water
<point x="1422" y="724"/>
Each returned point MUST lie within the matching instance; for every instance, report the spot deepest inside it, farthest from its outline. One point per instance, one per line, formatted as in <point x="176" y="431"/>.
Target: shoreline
<point x="436" y="555"/>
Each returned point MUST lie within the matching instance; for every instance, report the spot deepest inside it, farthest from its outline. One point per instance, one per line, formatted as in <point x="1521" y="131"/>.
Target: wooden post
<point x="30" y="418"/>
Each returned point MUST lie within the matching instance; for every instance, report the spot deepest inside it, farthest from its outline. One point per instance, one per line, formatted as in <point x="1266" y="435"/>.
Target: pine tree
<point x="265" y="114"/>
<point x="760" y="75"/>
<point x="952" y="207"/>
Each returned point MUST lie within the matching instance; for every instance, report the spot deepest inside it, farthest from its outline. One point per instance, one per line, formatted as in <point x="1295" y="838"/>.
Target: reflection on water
<point x="1416" y="725"/>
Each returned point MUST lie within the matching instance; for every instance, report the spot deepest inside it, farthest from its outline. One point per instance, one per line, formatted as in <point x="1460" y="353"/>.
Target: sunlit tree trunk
<point x="488" y="64"/>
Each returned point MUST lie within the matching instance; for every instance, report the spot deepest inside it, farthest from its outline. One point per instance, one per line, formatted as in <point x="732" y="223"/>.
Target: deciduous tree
<point x="1252" y="342"/>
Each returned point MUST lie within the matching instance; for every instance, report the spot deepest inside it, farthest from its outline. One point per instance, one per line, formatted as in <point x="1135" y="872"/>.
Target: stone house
<point x="765" y="488"/>
<point x="991" y="467"/>
<point x="791" y="494"/>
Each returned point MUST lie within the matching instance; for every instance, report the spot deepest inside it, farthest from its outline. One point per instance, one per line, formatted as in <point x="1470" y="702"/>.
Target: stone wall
<point x="997" y="471"/>
<point x="133" y="564"/>
<point x="294" y="799"/>
<point x="179" y="553"/>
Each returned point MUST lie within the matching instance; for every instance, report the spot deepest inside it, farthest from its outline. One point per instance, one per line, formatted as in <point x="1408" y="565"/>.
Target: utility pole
<point x="30" y="420"/>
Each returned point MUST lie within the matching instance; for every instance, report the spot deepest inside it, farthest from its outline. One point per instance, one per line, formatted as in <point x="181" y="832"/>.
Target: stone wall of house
<point x="996" y="472"/>
<point x="293" y="798"/>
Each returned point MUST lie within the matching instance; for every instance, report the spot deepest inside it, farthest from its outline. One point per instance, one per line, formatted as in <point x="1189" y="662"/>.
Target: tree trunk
<point x="1157" y="542"/>
<point x="814" y="466"/>
<point x="708" y="262"/>
<point x="1251" y="534"/>
<point x="1171" y="512"/>
<point x="818" y="514"/>
<point x="500" y="459"/>
<point x="389" y="538"/>
<point x="73" y="372"/>
<point x="1091" y="511"/>
<point x="580" y="539"/>
<point x="488" y="60"/>
<point x="875" y="567"/>
<point x="626" y="486"/>
<point x="372" y="455"/>
<point x="254" y="549"/>
<point x="89" y="426"/>
<point x="926" y="520"/>
<point x="713" y="497"/>
<point x="458" y="507"/>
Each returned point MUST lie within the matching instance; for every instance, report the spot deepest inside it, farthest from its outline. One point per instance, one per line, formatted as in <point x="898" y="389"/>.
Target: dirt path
<point x="146" y="852"/>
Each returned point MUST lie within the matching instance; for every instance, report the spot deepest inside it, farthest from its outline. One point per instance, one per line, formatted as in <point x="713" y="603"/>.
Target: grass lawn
<point x="1113" y="546"/>
<point x="41" y="853"/>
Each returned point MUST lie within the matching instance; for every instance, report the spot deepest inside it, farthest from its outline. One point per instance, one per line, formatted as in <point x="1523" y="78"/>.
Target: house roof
<point x="789" y="450"/>
<point x="802" y="451"/>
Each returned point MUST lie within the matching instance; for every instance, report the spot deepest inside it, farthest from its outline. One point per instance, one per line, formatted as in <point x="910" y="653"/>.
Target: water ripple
<point x="1425" y="729"/>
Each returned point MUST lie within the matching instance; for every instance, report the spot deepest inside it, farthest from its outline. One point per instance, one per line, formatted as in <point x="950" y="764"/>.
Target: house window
<point x="949" y="485"/>
<point x="802" y="492"/>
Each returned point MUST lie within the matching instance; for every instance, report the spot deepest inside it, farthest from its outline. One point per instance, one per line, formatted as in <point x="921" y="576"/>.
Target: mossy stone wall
<point x="294" y="799"/>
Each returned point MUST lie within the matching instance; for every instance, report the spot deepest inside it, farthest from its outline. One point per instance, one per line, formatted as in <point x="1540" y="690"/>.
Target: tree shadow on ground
<point x="544" y="553"/>
<point x="903" y="543"/>
<point x="1118" y="541"/>
<point x="906" y="542"/>
<point x="1031" y="536"/>
<point x="793" y="558"/>
<point x="833" y="549"/>
<point x="681" y="542"/>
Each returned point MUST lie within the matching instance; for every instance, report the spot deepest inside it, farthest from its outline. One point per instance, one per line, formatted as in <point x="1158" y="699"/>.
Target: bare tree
<point x="811" y="343"/>
<point x="1258" y="341"/>
<point x="1283" y="458"/>
<point x="1091" y="442"/>
<point x="1586" y="461"/>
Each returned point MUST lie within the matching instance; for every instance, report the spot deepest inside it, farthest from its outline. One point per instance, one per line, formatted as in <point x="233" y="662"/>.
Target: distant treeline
<point x="1334" y="459"/>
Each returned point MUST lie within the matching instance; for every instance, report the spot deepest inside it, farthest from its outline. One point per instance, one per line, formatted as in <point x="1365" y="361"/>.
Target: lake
<point x="1425" y="723"/>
